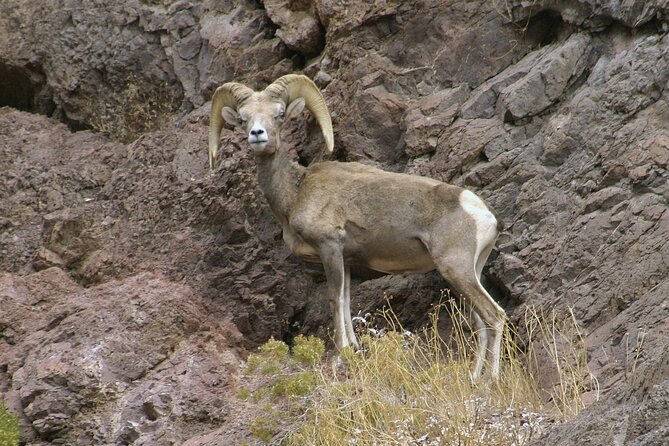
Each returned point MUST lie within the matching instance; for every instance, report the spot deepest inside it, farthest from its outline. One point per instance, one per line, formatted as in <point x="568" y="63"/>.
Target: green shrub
<point x="282" y="381"/>
<point x="269" y="359"/>
<point x="275" y="349"/>
<point x="265" y="426"/>
<point x="244" y="393"/>
<point x="308" y="350"/>
<point x="298" y="384"/>
<point x="9" y="427"/>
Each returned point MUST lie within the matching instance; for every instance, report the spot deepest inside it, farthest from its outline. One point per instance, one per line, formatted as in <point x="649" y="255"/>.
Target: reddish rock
<point x="143" y="348"/>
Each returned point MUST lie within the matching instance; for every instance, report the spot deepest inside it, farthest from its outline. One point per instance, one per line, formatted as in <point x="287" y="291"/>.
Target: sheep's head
<point x="261" y="114"/>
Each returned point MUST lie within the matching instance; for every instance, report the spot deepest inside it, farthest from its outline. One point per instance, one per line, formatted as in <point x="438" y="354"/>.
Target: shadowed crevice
<point x="545" y="28"/>
<point x="18" y="87"/>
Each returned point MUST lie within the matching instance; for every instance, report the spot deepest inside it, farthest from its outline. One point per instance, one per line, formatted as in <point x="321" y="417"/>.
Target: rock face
<point x="133" y="281"/>
<point x="143" y="348"/>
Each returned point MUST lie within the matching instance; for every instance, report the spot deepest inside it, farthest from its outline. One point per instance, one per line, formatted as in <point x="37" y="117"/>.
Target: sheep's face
<point x="261" y="119"/>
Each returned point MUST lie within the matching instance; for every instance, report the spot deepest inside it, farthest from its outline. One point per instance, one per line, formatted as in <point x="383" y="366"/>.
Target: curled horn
<point x="293" y="86"/>
<point x="230" y="94"/>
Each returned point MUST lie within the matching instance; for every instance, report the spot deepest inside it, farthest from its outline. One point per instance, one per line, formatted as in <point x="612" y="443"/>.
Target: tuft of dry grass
<point x="415" y="389"/>
<point x="561" y="340"/>
<point x="139" y="108"/>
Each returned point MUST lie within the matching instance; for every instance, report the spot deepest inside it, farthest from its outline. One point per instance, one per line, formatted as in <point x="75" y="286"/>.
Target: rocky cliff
<point x="133" y="280"/>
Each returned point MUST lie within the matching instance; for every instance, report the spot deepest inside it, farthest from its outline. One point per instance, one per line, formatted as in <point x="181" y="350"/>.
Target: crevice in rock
<point x="547" y="25"/>
<point x="292" y="329"/>
<point x="299" y="60"/>
<point x="385" y="26"/>
<point x="22" y="87"/>
<point x="653" y="26"/>
<point x="499" y="292"/>
<point x="16" y="88"/>
<point x="545" y="28"/>
<point x="497" y="287"/>
<point x="270" y="32"/>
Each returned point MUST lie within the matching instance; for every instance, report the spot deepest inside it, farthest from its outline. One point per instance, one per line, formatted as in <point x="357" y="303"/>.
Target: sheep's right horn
<point x="230" y="94"/>
<point x="293" y="86"/>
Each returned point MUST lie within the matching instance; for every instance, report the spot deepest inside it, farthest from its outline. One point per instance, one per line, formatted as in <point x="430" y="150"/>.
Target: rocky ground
<point x="133" y="281"/>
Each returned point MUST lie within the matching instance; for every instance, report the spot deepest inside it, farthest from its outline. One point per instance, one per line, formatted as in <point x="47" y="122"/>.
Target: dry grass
<point x="139" y="108"/>
<point x="415" y="389"/>
<point x="559" y="339"/>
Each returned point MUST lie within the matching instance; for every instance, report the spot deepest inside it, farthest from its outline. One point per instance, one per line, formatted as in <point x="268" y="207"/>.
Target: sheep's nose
<point x="257" y="132"/>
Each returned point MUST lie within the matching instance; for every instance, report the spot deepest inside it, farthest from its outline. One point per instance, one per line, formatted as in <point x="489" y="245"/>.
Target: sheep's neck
<point x="279" y="178"/>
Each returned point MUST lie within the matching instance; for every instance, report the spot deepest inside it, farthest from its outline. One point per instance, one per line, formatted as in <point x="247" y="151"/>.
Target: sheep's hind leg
<point x="497" y="325"/>
<point x="482" y="347"/>
<point x="486" y="313"/>
<point x="493" y="317"/>
<point x="480" y="328"/>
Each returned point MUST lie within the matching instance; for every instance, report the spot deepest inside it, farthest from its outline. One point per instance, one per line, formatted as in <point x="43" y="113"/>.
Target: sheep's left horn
<point x="293" y="86"/>
<point x="230" y="94"/>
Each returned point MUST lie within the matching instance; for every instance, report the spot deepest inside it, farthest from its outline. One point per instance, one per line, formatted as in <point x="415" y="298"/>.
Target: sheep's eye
<point x="281" y="115"/>
<point x="242" y="120"/>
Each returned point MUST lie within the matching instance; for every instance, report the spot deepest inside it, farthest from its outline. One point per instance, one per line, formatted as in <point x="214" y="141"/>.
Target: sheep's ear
<point x="230" y="116"/>
<point x="295" y="108"/>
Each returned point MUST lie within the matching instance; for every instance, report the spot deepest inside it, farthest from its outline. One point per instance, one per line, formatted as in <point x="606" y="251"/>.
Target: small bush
<point x="298" y="384"/>
<point x="265" y="426"/>
<point x="244" y="393"/>
<point x="308" y="350"/>
<point x="275" y="349"/>
<point x="271" y="355"/>
<point x="282" y="380"/>
<point x="9" y="427"/>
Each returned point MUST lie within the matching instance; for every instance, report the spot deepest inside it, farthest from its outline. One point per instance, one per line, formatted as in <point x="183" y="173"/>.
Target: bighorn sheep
<point x="342" y="214"/>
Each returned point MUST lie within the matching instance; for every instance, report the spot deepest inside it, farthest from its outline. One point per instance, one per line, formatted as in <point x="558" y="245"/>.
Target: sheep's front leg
<point x="335" y="272"/>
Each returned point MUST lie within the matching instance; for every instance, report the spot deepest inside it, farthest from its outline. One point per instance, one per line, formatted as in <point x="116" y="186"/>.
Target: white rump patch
<point x="478" y="210"/>
<point x="486" y="224"/>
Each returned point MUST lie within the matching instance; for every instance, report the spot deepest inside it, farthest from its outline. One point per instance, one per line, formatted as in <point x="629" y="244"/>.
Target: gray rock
<point x="594" y="14"/>
<point x="427" y="119"/>
<point x="545" y="83"/>
<point x="299" y="28"/>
